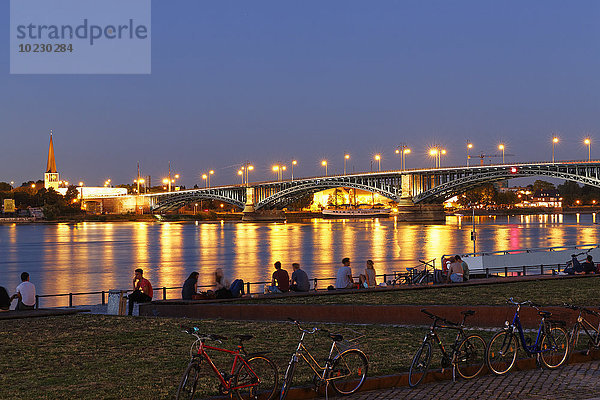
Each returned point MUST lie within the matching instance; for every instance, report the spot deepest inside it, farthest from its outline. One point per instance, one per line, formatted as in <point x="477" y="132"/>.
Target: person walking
<point x="142" y="290"/>
<point x="25" y="293"/>
<point x="343" y="279"/>
<point x="299" y="281"/>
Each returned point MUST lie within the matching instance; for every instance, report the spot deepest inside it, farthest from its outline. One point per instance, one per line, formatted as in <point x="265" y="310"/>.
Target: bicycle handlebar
<point x="204" y="336"/>
<point x="312" y="331"/>
<point x="587" y="310"/>
<point x="434" y="317"/>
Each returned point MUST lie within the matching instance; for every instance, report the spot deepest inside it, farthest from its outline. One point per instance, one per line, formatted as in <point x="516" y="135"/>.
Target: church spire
<point x="51" y="166"/>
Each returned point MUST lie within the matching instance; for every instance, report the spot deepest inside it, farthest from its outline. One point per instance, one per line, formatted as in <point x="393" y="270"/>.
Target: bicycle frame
<point x="319" y="371"/>
<point x="585" y="324"/>
<point x="237" y="359"/>
<point x="516" y="324"/>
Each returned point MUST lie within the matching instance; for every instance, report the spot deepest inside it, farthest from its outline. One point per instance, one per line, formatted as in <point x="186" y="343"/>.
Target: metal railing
<point x="395" y="278"/>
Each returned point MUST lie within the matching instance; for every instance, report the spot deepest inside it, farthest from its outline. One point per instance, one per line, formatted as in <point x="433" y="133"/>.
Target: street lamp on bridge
<point x="278" y="169"/>
<point x="378" y="159"/>
<point x="501" y="147"/>
<point x="588" y="143"/>
<point x="437" y="153"/>
<point x="403" y="150"/>
<point x="324" y="163"/>
<point x="554" y="141"/>
<point x="346" y="158"/>
<point x="244" y="172"/>
<point x="469" y="147"/>
<point x="294" y="162"/>
<point x="205" y="177"/>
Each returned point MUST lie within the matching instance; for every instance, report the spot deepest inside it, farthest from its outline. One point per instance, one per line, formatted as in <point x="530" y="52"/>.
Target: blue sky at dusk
<point x="272" y="81"/>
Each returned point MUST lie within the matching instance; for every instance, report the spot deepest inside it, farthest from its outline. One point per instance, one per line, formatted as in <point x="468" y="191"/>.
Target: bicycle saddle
<point x="244" y="337"/>
<point x="335" y="337"/>
<point x="545" y="314"/>
<point x="468" y="312"/>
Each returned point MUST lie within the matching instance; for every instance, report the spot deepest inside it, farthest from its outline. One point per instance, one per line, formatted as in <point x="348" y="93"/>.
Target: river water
<point x="84" y="257"/>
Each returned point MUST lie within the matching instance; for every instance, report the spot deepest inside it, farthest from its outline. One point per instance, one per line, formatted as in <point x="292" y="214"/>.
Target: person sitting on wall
<point x="223" y="290"/>
<point x="299" y="281"/>
<point x="464" y="266"/>
<point x="142" y="290"/>
<point x="25" y="293"/>
<point x="190" y="287"/>
<point x="455" y="271"/>
<point x="343" y="278"/>
<point x="280" y="280"/>
<point x="4" y="299"/>
<point x="588" y="266"/>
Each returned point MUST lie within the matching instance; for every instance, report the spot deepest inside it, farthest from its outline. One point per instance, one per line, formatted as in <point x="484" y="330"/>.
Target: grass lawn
<point x="110" y="357"/>
<point x="581" y="291"/>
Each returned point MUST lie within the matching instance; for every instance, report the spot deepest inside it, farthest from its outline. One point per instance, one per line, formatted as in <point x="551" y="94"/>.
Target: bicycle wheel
<point x="501" y="352"/>
<point x="189" y="381"/>
<point x="420" y="364"/>
<point x="554" y="347"/>
<point x="348" y="371"/>
<point x="257" y="379"/>
<point x="470" y="356"/>
<point x="287" y="380"/>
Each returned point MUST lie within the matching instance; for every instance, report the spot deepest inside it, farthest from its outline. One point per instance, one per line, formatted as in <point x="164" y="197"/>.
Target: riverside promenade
<point x="572" y="382"/>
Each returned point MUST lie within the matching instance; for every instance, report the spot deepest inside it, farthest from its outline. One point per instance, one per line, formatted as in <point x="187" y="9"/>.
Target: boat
<point x="356" y="212"/>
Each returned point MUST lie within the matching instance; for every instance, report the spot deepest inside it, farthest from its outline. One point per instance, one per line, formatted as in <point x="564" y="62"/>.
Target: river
<point x="86" y="257"/>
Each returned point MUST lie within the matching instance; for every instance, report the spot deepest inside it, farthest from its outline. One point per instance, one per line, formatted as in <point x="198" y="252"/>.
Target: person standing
<point x="343" y="279"/>
<point x="280" y="281"/>
<point x="299" y="281"/>
<point x="25" y="292"/>
<point x="142" y="290"/>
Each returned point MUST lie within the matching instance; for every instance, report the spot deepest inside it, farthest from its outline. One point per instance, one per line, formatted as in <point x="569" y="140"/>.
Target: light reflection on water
<point x="85" y="257"/>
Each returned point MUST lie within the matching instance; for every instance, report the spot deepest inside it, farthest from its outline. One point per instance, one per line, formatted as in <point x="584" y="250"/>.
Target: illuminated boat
<point x="356" y="212"/>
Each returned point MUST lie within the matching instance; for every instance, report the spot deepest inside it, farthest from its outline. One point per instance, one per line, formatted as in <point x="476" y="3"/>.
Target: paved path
<point x="576" y="381"/>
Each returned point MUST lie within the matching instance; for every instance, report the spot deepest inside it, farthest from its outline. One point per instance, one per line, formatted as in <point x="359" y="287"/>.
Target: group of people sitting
<point x="586" y="267"/>
<point x="223" y="289"/>
<point x="24" y="294"/>
<point x="457" y="270"/>
<point x="344" y="279"/>
<point x="281" y="281"/>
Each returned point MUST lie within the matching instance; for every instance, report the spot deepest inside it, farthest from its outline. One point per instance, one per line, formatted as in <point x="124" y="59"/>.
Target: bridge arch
<point x="290" y="194"/>
<point x="455" y="187"/>
<point x="174" y="201"/>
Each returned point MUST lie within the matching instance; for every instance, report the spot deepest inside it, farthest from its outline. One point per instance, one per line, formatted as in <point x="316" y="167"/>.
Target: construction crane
<point x="483" y="156"/>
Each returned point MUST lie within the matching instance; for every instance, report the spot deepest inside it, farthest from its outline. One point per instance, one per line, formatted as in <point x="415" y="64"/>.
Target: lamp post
<point x="80" y="195"/>
<point x="469" y="147"/>
<point x="294" y="162"/>
<point x="276" y="170"/>
<point x="211" y="172"/>
<point x="433" y="152"/>
<point x="324" y="163"/>
<point x="403" y="150"/>
<point x="554" y="141"/>
<point x="195" y="208"/>
<point x="442" y="153"/>
<point x="501" y="147"/>
<point x="244" y="172"/>
<point x="588" y="143"/>
<point x="346" y="158"/>
<point x="378" y="159"/>
<point x="205" y="177"/>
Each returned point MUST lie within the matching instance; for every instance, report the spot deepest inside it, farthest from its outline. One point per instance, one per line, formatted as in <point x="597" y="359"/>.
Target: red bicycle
<point x="251" y="376"/>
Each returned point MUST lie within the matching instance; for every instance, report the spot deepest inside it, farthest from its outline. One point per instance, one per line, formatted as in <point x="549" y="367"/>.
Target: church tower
<point x="51" y="176"/>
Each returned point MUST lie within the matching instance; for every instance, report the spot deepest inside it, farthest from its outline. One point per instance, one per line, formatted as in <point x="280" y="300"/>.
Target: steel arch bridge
<point x="408" y="186"/>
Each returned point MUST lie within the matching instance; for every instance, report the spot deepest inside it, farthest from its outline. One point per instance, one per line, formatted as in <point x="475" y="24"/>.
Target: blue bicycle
<point x="551" y="345"/>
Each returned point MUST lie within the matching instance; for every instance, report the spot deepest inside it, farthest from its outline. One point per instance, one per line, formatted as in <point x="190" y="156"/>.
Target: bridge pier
<point x="251" y="215"/>
<point x="410" y="212"/>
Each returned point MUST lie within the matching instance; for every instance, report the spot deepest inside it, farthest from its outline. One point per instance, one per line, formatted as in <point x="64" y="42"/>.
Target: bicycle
<point x="345" y="367"/>
<point x="252" y="376"/>
<point x="551" y="345"/>
<point x="592" y="332"/>
<point x="467" y="356"/>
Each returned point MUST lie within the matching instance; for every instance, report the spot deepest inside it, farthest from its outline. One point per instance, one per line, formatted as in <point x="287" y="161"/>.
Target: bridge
<point x="406" y="187"/>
